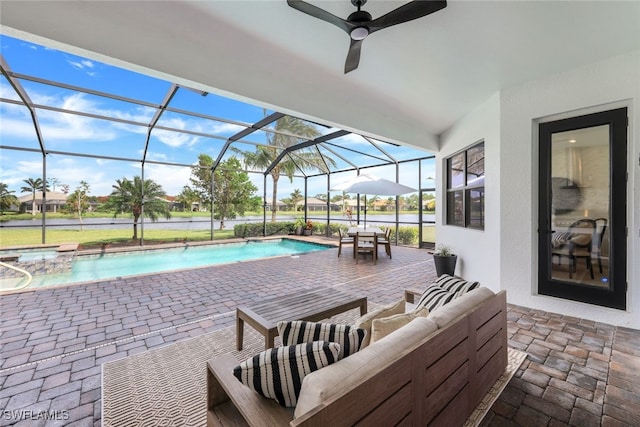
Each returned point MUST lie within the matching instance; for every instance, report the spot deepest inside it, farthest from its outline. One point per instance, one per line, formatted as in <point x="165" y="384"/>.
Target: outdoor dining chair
<point x="344" y="240"/>
<point x="386" y="241"/>
<point x="579" y="245"/>
<point x="366" y="242"/>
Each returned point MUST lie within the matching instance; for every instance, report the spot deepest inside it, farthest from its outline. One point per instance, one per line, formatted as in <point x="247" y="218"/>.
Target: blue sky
<point x="80" y="134"/>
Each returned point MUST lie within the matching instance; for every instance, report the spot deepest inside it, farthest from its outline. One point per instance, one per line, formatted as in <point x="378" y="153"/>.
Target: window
<point x="465" y="187"/>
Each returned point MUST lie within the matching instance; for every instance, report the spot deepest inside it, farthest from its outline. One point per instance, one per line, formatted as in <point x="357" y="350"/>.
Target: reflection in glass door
<point x="580" y="199"/>
<point x="582" y="221"/>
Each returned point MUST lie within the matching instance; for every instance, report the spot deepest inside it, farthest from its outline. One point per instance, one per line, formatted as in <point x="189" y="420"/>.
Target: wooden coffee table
<point x="310" y="304"/>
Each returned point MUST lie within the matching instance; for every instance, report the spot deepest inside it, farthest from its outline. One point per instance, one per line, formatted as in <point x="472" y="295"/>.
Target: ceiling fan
<point x="359" y="24"/>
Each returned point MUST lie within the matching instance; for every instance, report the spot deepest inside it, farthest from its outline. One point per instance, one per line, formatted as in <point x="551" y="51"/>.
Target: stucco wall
<point x="504" y="255"/>
<point x="478" y="251"/>
<point x="596" y="87"/>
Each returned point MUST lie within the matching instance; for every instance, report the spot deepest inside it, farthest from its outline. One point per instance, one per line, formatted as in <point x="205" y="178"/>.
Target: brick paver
<point x="54" y="341"/>
<point x="572" y="373"/>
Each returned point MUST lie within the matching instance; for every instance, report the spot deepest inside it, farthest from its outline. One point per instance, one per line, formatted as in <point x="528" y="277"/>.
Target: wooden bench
<point x="245" y="407"/>
<point x="311" y="305"/>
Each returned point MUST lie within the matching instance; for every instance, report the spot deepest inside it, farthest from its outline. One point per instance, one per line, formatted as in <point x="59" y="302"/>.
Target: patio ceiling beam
<point x="377" y="146"/>
<point x="148" y="104"/>
<point x="359" y="152"/>
<point x="124" y="121"/>
<point x="304" y="174"/>
<point x="355" y="168"/>
<point x="82" y="89"/>
<point x="306" y="144"/>
<point x="17" y="86"/>
<point x="322" y="158"/>
<point x="254" y="127"/>
<point x="93" y="156"/>
<point x="161" y="108"/>
<point x="338" y="155"/>
<point x="76" y="113"/>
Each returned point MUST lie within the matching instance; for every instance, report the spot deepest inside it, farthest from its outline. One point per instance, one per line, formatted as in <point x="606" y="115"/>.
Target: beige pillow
<point x="365" y="321"/>
<point x="380" y="328"/>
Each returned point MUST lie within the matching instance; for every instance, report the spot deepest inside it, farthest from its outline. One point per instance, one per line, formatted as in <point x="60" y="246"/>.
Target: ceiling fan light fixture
<point x="359" y="33"/>
<point x="360" y="23"/>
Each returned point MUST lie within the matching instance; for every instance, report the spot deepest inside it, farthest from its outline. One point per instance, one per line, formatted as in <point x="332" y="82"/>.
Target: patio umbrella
<point x="371" y="184"/>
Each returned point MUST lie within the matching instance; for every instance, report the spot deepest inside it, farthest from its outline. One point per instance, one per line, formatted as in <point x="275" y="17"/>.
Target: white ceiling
<point x="414" y="80"/>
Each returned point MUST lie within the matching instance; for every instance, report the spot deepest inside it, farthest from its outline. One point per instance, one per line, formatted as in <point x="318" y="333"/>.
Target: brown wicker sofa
<point x="433" y="371"/>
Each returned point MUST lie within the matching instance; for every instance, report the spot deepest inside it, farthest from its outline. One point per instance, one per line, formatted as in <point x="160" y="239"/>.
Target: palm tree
<point x="33" y="185"/>
<point x="296" y="196"/>
<point x="130" y="197"/>
<point x="6" y="197"/>
<point x="309" y="158"/>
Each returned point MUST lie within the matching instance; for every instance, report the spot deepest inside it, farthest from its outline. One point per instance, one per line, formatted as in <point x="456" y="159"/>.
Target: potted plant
<point x="298" y="227"/>
<point x="445" y="260"/>
<point x="308" y="229"/>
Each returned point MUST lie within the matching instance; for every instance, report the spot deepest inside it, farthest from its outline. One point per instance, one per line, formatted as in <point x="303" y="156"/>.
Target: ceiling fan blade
<point x="353" y="57"/>
<point x="408" y="12"/>
<point x="316" y="12"/>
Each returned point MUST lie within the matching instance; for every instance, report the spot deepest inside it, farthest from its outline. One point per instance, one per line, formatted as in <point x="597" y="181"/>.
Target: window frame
<point x="454" y="191"/>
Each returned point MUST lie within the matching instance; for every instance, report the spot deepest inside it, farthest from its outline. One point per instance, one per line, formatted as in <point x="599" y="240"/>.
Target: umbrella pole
<point x="365" y="211"/>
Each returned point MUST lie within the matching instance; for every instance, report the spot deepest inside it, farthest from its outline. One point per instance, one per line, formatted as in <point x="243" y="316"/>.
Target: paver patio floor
<point x="54" y="341"/>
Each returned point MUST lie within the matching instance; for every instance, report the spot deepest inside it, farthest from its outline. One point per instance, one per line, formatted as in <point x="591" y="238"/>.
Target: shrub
<point x="255" y="229"/>
<point x="408" y="235"/>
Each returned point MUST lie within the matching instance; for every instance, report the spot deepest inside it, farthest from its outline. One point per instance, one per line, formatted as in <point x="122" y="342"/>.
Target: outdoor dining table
<point x="352" y="231"/>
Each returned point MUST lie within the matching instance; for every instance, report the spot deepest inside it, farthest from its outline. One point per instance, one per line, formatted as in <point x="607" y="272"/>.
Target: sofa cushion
<point x="319" y="386"/>
<point x="434" y="297"/>
<point x="459" y="306"/>
<point x="380" y="328"/>
<point x="297" y="332"/>
<point x="277" y="373"/>
<point x="456" y="285"/>
<point x="365" y="321"/>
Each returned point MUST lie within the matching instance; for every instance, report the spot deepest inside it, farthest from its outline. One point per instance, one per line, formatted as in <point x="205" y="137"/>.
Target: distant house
<point x="316" y="205"/>
<point x="350" y="203"/>
<point x="280" y="205"/>
<point x="54" y="201"/>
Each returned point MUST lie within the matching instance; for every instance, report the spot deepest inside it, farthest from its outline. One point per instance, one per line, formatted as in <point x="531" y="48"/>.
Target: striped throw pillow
<point x="434" y="297"/>
<point x="277" y="373"/>
<point x="299" y="331"/>
<point x="455" y="285"/>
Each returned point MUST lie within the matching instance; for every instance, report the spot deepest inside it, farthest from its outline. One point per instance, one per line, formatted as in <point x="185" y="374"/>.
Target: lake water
<point x="204" y="223"/>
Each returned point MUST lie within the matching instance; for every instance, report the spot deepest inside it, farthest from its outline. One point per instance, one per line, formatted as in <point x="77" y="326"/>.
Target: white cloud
<point x="83" y="65"/>
<point x="171" y="178"/>
<point x="225" y="128"/>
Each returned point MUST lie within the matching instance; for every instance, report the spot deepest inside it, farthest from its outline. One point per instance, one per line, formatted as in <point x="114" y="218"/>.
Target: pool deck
<point x="54" y="341"/>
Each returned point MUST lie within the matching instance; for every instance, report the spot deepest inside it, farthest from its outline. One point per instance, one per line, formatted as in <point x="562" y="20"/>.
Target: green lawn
<point x="95" y="238"/>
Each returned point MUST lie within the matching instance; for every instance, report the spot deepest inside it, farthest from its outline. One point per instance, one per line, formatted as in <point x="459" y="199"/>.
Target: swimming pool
<point x="112" y="265"/>
<point x="31" y="254"/>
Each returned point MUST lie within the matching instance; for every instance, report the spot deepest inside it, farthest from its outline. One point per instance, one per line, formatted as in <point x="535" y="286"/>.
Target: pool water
<point x="34" y="254"/>
<point x="106" y="266"/>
